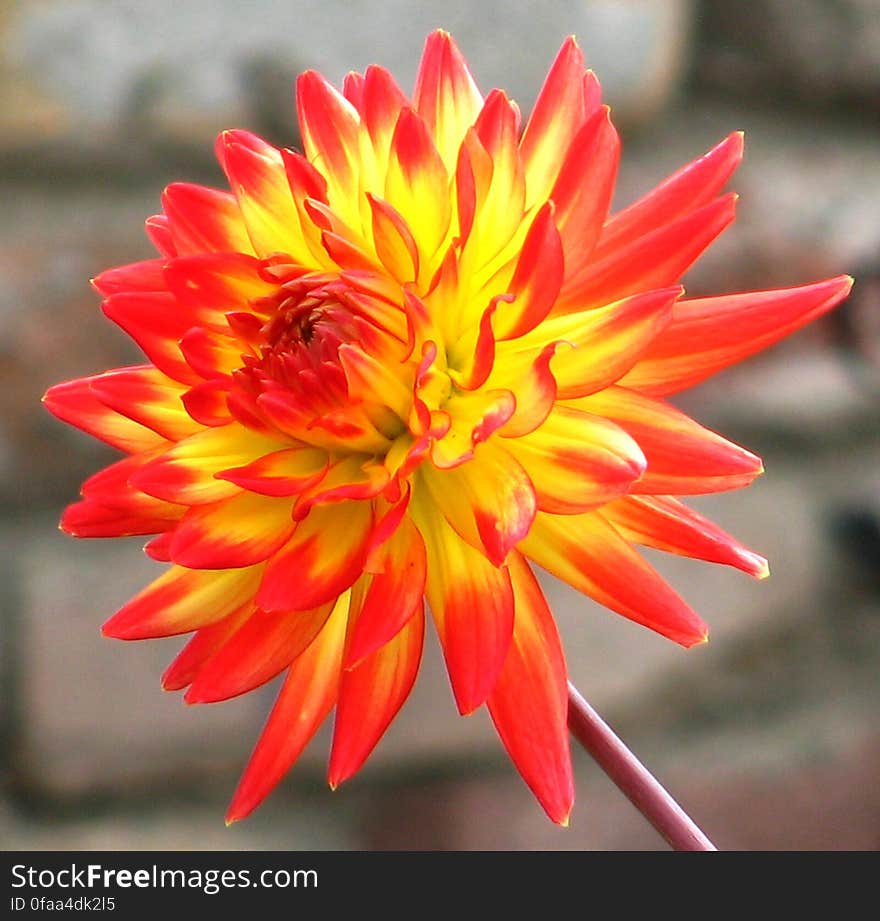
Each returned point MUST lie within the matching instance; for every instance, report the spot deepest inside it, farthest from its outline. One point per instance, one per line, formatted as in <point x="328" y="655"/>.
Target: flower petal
<point x="708" y="334"/>
<point x="371" y="695"/>
<point x="204" y="643"/>
<point x="181" y="600"/>
<point x="666" y="524"/>
<point x="393" y="595"/>
<point x="445" y="94"/>
<point x="687" y="189"/>
<point x="577" y="461"/>
<point x="323" y="558"/>
<point x="460" y="582"/>
<point x="529" y="704"/>
<point x="559" y="112"/>
<point x="307" y="696"/>
<point x="684" y="458"/>
<point x="655" y="260"/>
<point x="236" y="532"/>
<point x="202" y="219"/>
<point x="75" y="403"/>
<point x="490" y="500"/>
<point x="587" y="552"/>
<point x="261" y="648"/>
<point x="604" y="343"/>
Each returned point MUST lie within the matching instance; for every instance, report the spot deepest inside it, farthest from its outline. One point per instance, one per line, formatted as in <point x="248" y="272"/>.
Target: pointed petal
<point x="687" y="189"/>
<point x="258" y="179"/>
<point x="188" y="472"/>
<point x="323" y="558"/>
<point x="556" y="118"/>
<point x="708" y="334"/>
<point x="204" y="643"/>
<point x="583" y="190"/>
<point x="597" y="347"/>
<point x="394" y="594"/>
<point x="472" y="604"/>
<point x="236" y="532"/>
<point x="417" y="185"/>
<point x="281" y="473"/>
<point x="445" y="94"/>
<point x="536" y="280"/>
<point x="684" y="458"/>
<point x="307" y="696"/>
<point x="330" y="126"/>
<point x="577" y="461"/>
<point x="370" y="697"/>
<point x="157" y="323"/>
<point x="261" y="648"/>
<point x="181" y="600"/>
<point x="146" y="395"/>
<point x="490" y="500"/>
<point x="202" y="219"/>
<point x="586" y="552"/>
<point x="666" y="524"/>
<point x="91" y="518"/>
<point x="136" y="276"/>
<point x="655" y="260"/>
<point x="75" y="403"/>
<point x="529" y="705"/>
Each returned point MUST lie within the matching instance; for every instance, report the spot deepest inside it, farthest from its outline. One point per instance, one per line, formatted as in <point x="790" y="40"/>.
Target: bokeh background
<point x="769" y="736"/>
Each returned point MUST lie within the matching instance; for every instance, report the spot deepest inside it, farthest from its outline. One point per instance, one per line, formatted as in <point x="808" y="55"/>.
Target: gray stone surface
<point x="166" y="70"/>
<point x="822" y="52"/>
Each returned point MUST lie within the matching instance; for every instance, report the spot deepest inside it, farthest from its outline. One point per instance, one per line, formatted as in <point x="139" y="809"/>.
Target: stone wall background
<point x="768" y="735"/>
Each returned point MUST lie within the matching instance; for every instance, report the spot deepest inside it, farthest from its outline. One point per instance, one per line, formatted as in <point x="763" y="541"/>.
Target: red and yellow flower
<point x="406" y="364"/>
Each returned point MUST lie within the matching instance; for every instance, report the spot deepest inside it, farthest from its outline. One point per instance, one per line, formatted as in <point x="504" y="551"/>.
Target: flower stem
<point x="632" y="777"/>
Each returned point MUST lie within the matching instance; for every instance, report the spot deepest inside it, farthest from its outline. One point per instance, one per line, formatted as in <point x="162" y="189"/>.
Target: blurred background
<point x="769" y="735"/>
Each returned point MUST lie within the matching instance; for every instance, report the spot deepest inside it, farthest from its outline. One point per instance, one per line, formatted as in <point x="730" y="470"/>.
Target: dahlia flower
<point x="409" y="363"/>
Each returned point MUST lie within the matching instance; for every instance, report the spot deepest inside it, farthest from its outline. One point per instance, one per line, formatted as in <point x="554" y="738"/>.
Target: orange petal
<point x="281" y="473"/>
<point x="307" y="696"/>
<point x="188" y="472"/>
<point x="204" y="643"/>
<point x="536" y="280"/>
<point x="394" y="594"/>
<point x="157" y="323"/>
<point x="597" y="347"/>
<point x="587" y="552"/>
<point x="181" y="600"/>
<point x="687" y="189"/>
<point x="330" y="127"/>
<point x="136" y="276"/>
<point x="417" y="185"/>
<point x="258" y="179"/>
<point x="370" y="697"/>
<point x="708" y="334"/>
<point x="201" y="220"/>
<point x="472" y="605"/>
<point x="577" y="461"/>
<point x="683" y="457"/>
<point x="666" y="524"/>
<point x="655" y="260"/>
<point x="529" y="704"/>
<point x="323" y="558"/>
<point x="240" y="531"/>
<point x="75" y="403"/>
<point x="146" y="395"/>
<point x="261" y="648"/>
<point x="445" y="94"/>
<point x="489" y="500"/>
<point x="583" y="190"/>
<point x="557" y="116"/>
